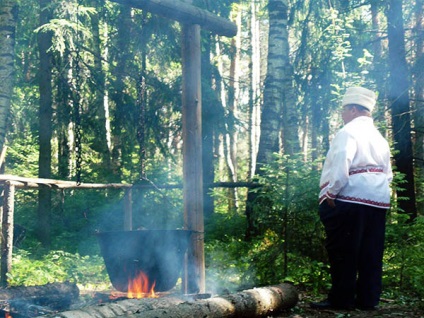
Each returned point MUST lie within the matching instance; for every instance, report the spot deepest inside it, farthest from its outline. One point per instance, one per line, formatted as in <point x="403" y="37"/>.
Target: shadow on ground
<point x="387" y="308"/>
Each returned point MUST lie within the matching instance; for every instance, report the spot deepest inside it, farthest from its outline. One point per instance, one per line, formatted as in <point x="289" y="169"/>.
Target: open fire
<point x="140" y="287"/>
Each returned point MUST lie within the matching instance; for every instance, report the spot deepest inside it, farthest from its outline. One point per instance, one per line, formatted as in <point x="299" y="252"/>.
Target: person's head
<point x="357" y="101"/>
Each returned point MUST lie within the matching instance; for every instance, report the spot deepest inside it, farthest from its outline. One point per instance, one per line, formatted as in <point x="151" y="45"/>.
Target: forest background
<point x="90" y="91"/>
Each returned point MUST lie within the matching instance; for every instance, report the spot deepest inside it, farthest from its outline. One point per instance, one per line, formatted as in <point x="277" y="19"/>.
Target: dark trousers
<point x="355" y="243"/>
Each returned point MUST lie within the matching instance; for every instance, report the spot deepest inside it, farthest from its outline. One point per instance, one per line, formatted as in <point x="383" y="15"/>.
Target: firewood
<point x="257" y="302"/>
<point x="119" y="308"/>
<point x="32" y="301"/>
<point x="67" y="289"/>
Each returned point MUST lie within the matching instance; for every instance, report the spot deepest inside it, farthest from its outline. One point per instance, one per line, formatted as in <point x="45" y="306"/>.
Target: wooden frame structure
<point x="10" y="183"/>
<point x="192" y="19"/>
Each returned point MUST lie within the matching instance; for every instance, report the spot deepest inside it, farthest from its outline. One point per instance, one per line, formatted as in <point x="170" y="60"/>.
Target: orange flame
<point x="139" y="287"/>
<point x="7" y="315"/>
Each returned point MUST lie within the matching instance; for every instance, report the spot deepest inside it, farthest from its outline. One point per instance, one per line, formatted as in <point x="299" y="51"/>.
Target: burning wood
<point x="140" y="287"/>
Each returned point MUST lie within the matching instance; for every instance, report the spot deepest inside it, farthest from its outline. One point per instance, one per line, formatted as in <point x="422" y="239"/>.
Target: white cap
<point x="360" y="96"/>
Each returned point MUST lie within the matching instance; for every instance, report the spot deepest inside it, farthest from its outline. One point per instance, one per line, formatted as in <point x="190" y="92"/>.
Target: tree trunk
<point x="63" y="117"/>
<point x="124" y="25"/>
<point x="274" y="98"/>
<point x="142" y="104"/>
<point x="379" y="63"/>
<point x="45" y="123"/>
<point x="254" y="88"/>
<point x="101" y="123"/>
<point x="290" y="118"/>
<point x="400" y="108"/>
<point x="231" y="130"/>
<point x="208" y="126"/>
<point x="8" y="18"/>
<point x="7" y="232"/>
<point x="273" y="102"/>
<point x="419" y="102"/>
<point x="257" y="302"/>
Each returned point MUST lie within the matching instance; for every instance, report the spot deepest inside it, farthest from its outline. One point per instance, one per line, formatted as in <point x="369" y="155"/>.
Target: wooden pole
<point x="192" y="153"/>
<point x="186" y="14"/>
<point x="7" y="232"/>
<point x="128" y="210"/>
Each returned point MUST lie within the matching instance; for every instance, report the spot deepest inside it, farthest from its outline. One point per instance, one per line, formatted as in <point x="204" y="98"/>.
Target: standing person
<point x="354" y="198"/>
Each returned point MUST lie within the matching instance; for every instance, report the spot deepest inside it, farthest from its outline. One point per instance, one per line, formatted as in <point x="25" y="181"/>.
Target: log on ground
<point x="119" y="308"/>
<point x="53" y="289"/>
<point x="54" y="295"/>
<point x="257" y="302"/>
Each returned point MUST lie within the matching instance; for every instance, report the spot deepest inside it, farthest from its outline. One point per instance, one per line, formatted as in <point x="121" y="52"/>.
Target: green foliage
<point x="287" y="203"/>
<point x="404" y="255"/>
<point x="267" y="259"/>
<point x="56" y="266"/>
<point x="288" y="245"/>
<point x="235" y="264"/>
<point x="23" y="157"/>
<point x="226" y="264"/>
<point x="67" y="29"/>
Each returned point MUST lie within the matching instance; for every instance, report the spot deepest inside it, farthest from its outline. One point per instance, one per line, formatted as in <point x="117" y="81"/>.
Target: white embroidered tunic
<point x="357" y="168"/>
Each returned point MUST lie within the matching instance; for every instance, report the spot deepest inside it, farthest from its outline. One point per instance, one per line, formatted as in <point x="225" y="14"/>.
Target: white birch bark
<point x="8" y="18"/>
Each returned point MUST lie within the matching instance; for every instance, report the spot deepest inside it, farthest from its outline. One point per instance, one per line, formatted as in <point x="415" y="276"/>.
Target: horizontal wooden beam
<point x="34" y="183"/>
<point x="185" y="13"/>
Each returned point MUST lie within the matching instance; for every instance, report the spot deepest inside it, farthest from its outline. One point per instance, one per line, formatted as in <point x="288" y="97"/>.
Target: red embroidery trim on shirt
<point x="364" y="201"/>
<point x="364" y="170"/>
<point x="324" y="185"/>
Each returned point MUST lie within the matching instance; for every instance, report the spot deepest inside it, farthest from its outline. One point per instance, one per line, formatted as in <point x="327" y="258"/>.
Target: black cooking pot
<point x="159" y="254"/>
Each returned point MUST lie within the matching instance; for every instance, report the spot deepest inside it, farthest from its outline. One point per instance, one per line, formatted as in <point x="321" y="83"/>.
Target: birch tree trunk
<point x="8" y="18"/>
<point x="233" y="94"/>
<point x="279" y="106"/>
<point x="273" y="102"/>
<point x="101" y="103"/>
<point x="277" y="96"/>
<point x="254" y="88"/>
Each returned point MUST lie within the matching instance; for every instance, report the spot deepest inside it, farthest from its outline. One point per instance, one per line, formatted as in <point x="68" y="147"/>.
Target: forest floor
<point x="388" y="308"/>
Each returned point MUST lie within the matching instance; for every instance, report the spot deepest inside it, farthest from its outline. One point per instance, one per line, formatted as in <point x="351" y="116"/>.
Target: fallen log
<point x="70" y="290"/>
<point x="119" y="308"/>
<point x="257" y="302"/>
<point x="35" y="300"/>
